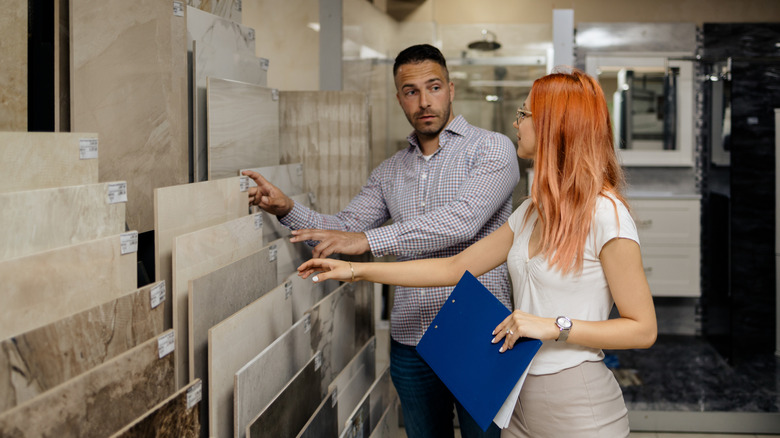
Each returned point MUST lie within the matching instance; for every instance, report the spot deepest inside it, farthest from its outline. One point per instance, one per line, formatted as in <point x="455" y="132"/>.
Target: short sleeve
<point x="612" y="220"/>
<point x="515" y="221"/>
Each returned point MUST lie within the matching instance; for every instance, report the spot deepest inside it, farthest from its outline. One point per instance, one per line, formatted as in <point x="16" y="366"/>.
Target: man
<point x="451" y="186"/>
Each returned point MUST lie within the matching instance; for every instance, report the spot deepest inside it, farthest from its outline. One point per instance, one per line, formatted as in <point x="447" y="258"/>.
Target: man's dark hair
<point x="420" y="53"/>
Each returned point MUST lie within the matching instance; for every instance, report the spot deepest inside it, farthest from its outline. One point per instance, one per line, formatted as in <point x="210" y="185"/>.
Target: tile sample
<point x="305" y="293"/>
<point x="333" y="330"/>
<point x="289" y="256"/>
<point x="228" y="9"/>
<point x="235" y="341"/>
<point x="176" y="416"/>
<point x="40" y="359"/>
<point x="42" y="160"/>
<point x="219" y="48"/>
<point x="218" y="295"/>
<point x="328" y="132"/>
<point x="42" y="288"/>
<point x="365" y="417"/>
<point x="242" y="126"/>
<point x="32" y="221"/>
<point x="286" y="177"/>
<point x="387" y="426"/>
<point x="129" y="84"/>
<point x="99" y="402"/>
<point x="189" y="207"/>
<point x="272" y="228"/>
<point x="292" y="407"/>
<point x="257" y="383"/>
<point x="353" y="381"/>
<point x="323" y="423"/>
<point x="198" y="253"/>
<point x="13" y="71"/>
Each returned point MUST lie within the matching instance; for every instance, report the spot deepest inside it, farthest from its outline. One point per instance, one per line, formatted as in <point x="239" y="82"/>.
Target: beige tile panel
<point x="40" y="160"/>
<point x="175" y="416"/>
<point x="39" y="220"/>
<point x="99" y="402"/>
<point x="286" y="177"/>
<point x="198" y="253"/>
<point x="42" y="288"/>
<point x="38" y="360"/>
<point x="189" y="207"/>
<point x="13" y="69"/>
<point x="327" y="131"/>
<point x="242" y="126"/>
<point x="129" y="84"/>
<point x="353" y="381"/>
<point x="272" y="228"/>
<point x="235" y="341"/>
<point x="387" y="426"/>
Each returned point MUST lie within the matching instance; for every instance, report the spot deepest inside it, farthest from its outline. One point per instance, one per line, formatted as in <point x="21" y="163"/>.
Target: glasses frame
<point x="522" y="114"/>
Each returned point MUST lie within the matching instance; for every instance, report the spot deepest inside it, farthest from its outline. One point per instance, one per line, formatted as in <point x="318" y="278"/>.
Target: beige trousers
<point x="584" y="401"/>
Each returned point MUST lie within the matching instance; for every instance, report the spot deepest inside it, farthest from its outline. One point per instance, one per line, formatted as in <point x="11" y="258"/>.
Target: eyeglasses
<point x="522" y="114"/>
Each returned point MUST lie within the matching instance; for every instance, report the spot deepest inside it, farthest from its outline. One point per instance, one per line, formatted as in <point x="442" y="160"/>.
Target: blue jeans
<point x="426" y="401"/>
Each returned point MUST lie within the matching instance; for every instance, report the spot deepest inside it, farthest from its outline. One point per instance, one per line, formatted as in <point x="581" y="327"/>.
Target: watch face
<point x="563" y="322"/>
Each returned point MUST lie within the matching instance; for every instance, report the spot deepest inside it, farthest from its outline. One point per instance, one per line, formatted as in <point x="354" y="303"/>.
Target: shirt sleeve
<point x="612" y="220"/>
<point x="490" y="183"/>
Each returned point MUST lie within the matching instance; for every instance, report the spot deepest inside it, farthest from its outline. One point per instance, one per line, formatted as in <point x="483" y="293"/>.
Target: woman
<point x="572" y="251"/>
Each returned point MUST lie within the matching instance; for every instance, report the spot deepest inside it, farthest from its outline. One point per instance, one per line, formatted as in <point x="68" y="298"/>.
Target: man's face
<point x="426" y="96"/>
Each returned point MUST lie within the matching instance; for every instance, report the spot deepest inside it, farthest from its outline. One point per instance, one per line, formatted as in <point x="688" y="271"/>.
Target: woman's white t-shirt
<point x="543" y="291"/>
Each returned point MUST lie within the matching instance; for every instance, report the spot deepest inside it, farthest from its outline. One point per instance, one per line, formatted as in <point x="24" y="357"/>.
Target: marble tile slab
<point x="287" y="177"/>
<point x="242" y="126"/>
<point x="273" y="229"/>
<point x="42" y="288"/>
<point x="198" y="253"/>
<point x="176" y="416"/>
<point x="333" y="330"/>
<point x="218" y="295"/>
<point x="40" y="359"/>
<point x="219" y="48"/>
<point x="387" y="426"/>
<point x="292" y="407"/>
<point x="353" y="381"/>
<point x="99" y="402"/>
<point x="235" y="341"/>
<point x="305" y="293"/>
<point x="323" y="423"/>
<point x="328" y="132"/>
<point x="129" y="84"/>
<point x="368" y="412"/>
<point x="32" y="221"/>
<point x="257" y="383"/>
<point x="230" y="9"/>
<point x="189" y="207"/>
<point x="41" y="160"/>
<point x="13" y="71"/>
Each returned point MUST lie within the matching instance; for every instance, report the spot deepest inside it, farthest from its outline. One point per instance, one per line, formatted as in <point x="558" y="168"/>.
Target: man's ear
<point x="452" y="91"/>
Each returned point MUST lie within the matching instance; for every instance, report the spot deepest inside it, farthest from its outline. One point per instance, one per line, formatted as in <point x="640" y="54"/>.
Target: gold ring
<point x="353" y="271"/>
<point x="509" y="332"/>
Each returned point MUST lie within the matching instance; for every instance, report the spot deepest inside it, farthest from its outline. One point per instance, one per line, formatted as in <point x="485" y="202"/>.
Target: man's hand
<point x="267" y="196"/>
<point x="332" y="241"/>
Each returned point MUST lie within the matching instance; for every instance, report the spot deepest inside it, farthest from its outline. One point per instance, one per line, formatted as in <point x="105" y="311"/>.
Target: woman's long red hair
<point x="575" y="163"/>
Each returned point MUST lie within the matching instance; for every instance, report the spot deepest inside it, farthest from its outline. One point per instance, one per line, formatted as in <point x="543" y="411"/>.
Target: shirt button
<point x="424" y="175"/>
<point x="422" y="204"/>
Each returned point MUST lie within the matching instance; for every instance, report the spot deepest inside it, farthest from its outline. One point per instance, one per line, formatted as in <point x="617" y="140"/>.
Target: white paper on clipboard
<point x="505" y="413"/>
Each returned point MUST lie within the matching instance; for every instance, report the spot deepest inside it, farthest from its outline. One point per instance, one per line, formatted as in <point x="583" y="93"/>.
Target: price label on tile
<point x="178" y="9"/>
<point x="272" y="253"/>
<point x="317" y="360"/>
<point x="165" y="344"/>
<point x="288" y="290"/>
<point x="312" y="198"/>
<point x="158" y="294"/>
<point x="88" y="148"/>
<point x="299" y="170"/>
<point x="194" y="394"/>
<point x="333" y="398"/>
<point x="251" y="34"/>
<point x="244" y="183"/>
<point x="307" y="324"/>
<point x="128" y="242"/>
<point x="117" y="192"/>
<point x="258" y="221"/>
<point x="372" y="345"/>
<point x="264" y="64"/>
<point x="274" y="94"/>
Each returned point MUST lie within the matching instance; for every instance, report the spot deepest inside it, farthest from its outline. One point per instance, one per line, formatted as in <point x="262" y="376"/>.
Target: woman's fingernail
<point x="502" y="349"/>
<point x="493" y="341"/>
<point x="493" y="333"/>
<point x="315" y="279"/>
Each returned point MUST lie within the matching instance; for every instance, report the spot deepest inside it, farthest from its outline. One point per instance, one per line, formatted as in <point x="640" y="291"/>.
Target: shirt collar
<point x="456" y="127"/>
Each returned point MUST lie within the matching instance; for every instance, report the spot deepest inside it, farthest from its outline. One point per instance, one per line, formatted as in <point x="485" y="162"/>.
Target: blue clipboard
<point x="457" y="346"/>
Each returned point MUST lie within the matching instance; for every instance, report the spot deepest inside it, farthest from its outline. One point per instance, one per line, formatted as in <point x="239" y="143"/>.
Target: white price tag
<point x="334" y="399"/>
<point x="237" y="5"/>
<point x="178" y="9"/>
<point x="251" y="34"/>
<point x="312" y="199"/>
<point x="317" y="360"/>
<point x="258" y="221"/>
<point x="158" y="294"/>
<point x="299" y="170"/>
<point x="117" y="192"/>
<point x="264" y="63"/>
<point x="307" y="324"/>
<point x="165" y="344"/>
<point x="128" y="242"/>
<point x="272" y="253"/>
<point x="88" y="148"/>
<point x="244" y="183"/>
<point x="275" y="94"/>
<point x="372" y="346"/>
<point x="194" y="394"/>
<point x="288" y="290"/>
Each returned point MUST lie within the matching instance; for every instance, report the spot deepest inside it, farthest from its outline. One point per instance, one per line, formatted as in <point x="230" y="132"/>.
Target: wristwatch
<point x="564" y="325"/>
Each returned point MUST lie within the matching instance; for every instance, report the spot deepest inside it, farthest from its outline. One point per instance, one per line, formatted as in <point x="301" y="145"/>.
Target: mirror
<point x="650" y="100"/>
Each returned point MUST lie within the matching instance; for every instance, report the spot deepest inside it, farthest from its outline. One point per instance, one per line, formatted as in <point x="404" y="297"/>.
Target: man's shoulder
<point x="481" y="135"/>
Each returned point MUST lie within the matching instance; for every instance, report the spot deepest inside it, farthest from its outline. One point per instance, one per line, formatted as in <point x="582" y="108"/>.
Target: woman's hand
<point x="327" y="269"/>
<point x="524" y="325"/>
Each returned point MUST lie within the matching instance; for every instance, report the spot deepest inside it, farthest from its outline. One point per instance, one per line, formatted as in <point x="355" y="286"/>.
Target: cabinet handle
<point x="644" y="224"/>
